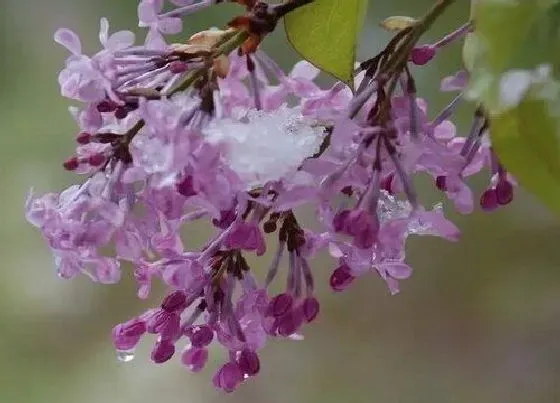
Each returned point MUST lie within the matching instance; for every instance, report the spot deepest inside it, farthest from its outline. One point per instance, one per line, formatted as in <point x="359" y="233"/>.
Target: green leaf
<point x="325" y="33"/>
<point x="527" y="139"/>
<point x="513" y="57"/>
<point x="510" y="34"/>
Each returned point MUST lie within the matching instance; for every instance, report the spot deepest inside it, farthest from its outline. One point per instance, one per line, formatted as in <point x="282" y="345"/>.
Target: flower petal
<point x="69" y="40"/>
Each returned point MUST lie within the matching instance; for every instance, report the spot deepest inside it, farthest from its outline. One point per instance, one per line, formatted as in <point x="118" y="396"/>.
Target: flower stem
<point x="397" y="61"/>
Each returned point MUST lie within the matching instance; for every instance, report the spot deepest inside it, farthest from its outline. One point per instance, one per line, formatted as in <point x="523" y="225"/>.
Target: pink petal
<point x="456" y="82"/>
<point x="304" y="70"/>
<point x="69" y="40"/>
<point x="398" y="270"/>
<point x="154" y="40"/>
<point x="170" y="26"/>
<point x="120" y="40"/>
<point x="148" y="11"/>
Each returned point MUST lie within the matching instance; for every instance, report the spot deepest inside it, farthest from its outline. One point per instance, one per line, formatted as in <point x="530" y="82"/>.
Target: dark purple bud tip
<point x="195" y="358"/>
<point x="227" y="217"/>
<point x="71" y="164"/>
<point x="201" y="336"/>
<point x="504" y="192"/>
<point x="440" y="183"/>
<point x="347" y="190"/>
<point x="178" y="67"/>
<point x="96" y="160"/>
<point x="174" y="302"/>
<point x="310" y="309"/>
<point x="280" y="304"/>
<point x="422" y="55"/>
<point x="489" y="200"/>
<point x="106" y="106"/>
<point x="186" y="187"/>
<point x="387" y="184"/>
<point x="341" y="278"/>
<point x="163" y="351"/>
<point x="121" y="112"/>
<point x="339" y="220"/>
<point x="269" y="227"/>
<point x="249" y="362"/>
<point x="83" y="138"/>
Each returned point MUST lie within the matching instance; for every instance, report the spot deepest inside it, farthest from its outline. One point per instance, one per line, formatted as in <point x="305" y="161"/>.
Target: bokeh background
<point x="478" y="322"/>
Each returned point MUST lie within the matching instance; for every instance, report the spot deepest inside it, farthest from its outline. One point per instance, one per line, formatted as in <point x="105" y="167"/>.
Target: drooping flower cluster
<point x="170" y="134"/>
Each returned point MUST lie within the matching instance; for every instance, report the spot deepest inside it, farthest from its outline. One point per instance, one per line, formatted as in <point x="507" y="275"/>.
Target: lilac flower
<point x="88" y="79"/>
<point x="457" y="82"/>
<point x="148" y="16"/>
<point x="80" y="80"/>
<point x="172" y="134"/>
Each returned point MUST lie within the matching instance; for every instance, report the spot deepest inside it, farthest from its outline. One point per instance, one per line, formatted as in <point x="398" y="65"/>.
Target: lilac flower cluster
<point x="170" y="134"/>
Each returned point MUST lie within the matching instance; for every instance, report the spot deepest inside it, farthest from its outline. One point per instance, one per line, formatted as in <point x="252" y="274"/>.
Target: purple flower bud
<point x="504" y="192"/>
<point x="387" y="183"/>
<point x="290" y="322"/>
<point x="249" y="363"/>
<point x="127" y="335"/>
<point x="71" y="164"/>
<point x="280" y="304"/>
<point x="227" y="217"/>
<point x="310" y="309"/>
<point x="341" y="278"/>
<point x="176" y="301"/>
<point x="106" y="106"/>
<point x="422" y="55"/>
<point x="489" y="200"/>
<point x="269" y="227"/>
<point x="339" y="220"/>
<point x="441" y="183"/>
<point x="134" y="327"/>
<point x="96" y="160"/>
<point x="228" y="377"/>
<point x="163" y="351"/>
<point x="186" y="187"/>
<point x="201" y="336"/>
<point x="157" y="321"/>
<point x="171" y="330"/>
<point x="178" y="67"/>
<point x="195" y="358"/>
<point x="83" y="138"/>
<point x="121" y="112"/>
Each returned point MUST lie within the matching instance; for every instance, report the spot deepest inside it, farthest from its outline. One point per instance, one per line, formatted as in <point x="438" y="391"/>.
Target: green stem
<point x="224" y="49"/>
<point x="398" y="60"/>
<point x="133" y="131"/>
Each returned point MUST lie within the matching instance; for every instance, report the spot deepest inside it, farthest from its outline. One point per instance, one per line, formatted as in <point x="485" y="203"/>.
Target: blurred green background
<point x="478" y="322"/>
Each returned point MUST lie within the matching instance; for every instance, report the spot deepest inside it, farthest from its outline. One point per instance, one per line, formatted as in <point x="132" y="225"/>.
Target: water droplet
<point x="296" y="337"/>
<point x="125" y="355"/>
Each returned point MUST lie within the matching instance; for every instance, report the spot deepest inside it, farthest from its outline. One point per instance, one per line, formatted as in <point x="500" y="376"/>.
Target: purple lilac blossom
<point x="243" y="156"/>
